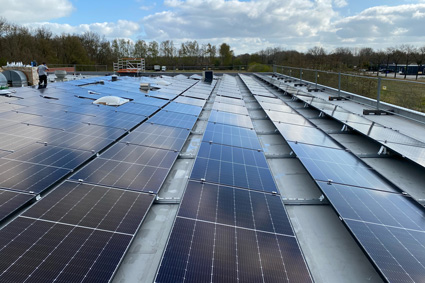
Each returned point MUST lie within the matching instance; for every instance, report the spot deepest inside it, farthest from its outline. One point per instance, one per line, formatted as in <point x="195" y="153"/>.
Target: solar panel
<point x="191" y="101"/>
<point x="11" y="143"/>
<point x="29" y="177"/>
<point x="196" y="94"/>
<point x="296" y="119"/>
<point x="183" y="108"/>
<point x="306" y="135"/>
<point x="42" y="251"/>
<point x="375" y="207"/>
<point x="269" y="100"/>
<point x="338" y="166"/>
<point x="397" y="253"/>
<point x="10" y="201"/>
<point x="201" y="252"/>
<point x="230" y="119"/>
<point x="160" y="94"/>
<point x="174" y="119"/>
<point x="233" y="166"/>
<point x="158" y="136"/>
<point x="143" y="155"/>
<point x="51" y="155"/>
<point x="231" y="135"/>
<point x="117" y="120"/>
<point x="229" y="94"/>
<point x="230" y="108"/>
<point x="118" y="174"/>
<point x="139" y="109"/>
<point x="229" y="100"/>
<point x="235" y="207"/>
<point x="93" y="206"/>
<point x="149" y="100"/>
<point x="276" y="107"/>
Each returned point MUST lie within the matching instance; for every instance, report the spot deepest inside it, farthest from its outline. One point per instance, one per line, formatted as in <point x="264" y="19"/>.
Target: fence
<point x="78" y="67"/>
<point x="407" y="94"/>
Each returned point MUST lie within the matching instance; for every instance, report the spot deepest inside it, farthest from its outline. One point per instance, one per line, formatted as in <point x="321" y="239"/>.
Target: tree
<point x="226" y="54"/>
<point x="419" y="57"/>
<point x="153" y="50"/>
<point x="140" y="49"/>
<point x="317" y="55"/>
<point x="394" y="54"/>
<point x="408" y="51"/>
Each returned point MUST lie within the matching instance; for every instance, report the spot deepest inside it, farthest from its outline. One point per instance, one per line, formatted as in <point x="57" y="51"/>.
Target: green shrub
<point x="257" y="68"/>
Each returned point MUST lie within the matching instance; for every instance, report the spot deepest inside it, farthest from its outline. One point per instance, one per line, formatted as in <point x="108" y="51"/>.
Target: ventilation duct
<point x="16" y="78"/>
<point x="3" y="80"/>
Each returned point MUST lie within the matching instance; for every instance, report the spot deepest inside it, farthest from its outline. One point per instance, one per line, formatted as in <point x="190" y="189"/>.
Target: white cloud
<point x="120" y="29"/>
<point x="27" y="11"/>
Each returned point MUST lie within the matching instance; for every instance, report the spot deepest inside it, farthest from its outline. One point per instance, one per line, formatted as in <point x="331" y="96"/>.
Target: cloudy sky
<point x="247" y="26"/>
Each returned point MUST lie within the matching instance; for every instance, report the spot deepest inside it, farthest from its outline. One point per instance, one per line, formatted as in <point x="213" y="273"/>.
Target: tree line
<point x="21" y="43"/>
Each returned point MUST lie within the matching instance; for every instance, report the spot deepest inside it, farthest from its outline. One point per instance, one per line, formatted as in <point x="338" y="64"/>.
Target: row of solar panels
<point x="81" y="229"/>
<point x="230" y="227"/>
<point x="388" y="225"/>
<point x="406" y="146"/>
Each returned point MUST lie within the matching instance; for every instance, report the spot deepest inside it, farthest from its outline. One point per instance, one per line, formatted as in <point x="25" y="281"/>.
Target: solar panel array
<point x="231" y="224"/>
<point x="388" y="224"/>
<point x="119" y="158"/>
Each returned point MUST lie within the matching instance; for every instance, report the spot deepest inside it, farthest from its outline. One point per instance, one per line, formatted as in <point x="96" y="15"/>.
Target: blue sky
<point x="247" y="26"/>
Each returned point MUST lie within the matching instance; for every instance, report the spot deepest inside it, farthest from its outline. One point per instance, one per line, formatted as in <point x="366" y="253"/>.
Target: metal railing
<point x="404" y="93"/>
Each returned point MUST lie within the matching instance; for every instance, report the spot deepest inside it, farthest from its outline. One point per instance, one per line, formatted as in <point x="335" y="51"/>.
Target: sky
<point x="248" y="26"/>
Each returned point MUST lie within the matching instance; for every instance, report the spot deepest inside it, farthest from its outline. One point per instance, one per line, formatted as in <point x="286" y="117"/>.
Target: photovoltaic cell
<point x="11" y="201"/>
<point x="230" y="108"/>
<point x="296" y="119"/>
<point x="235" y="207"/>
<point x="29" y="177"/>
<point x="117" y="174"/>
<point x="191" y="101"/>
<point x="231" y="135"/>
<point x="230" y="119"/>
<point x="338" y="166"/>
<point x="93" y="206"/>
<point x="205" y="252"/>
<point x="233" y="166"/>
<point x="11" y="143"/>
<point x="375" y="207"/>
<point x="40" y="251"/>
<point x="51" y="155"/>
<point x="276" y="107"/>
<point x="160" y="94"/>
<point x="138" y="109"/>
<point x="158" y="136"/>
<point x="229" y="100"/>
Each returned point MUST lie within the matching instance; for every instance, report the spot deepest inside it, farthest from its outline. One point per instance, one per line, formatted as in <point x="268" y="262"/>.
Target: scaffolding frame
<point x="130" y="65"/>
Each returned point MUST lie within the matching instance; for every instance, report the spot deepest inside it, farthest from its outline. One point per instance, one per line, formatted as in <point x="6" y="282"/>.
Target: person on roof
<point x="42" y="75"/>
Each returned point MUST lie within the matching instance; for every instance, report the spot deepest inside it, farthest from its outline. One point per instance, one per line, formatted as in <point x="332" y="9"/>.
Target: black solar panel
<point x="276" y="107"/>
<point x="93" y="206"/>
<point x="183" y="108"/>
<point x="51" y="155"/>
<point x="306" y="135"/>
<point x="398" y="253"/>
<point x="41" y="251"/>
<point x="174" y="119"/>
<point x="206" y="252"/>
<point x="12" y="143"/>
<point x="123" y="175"/>
<point x="231" y="135"/>
<point x="29" y="177"/>
<point x="158" y="136"/>
<point x="375" y="207"/>
<point x="10" y="201"/>
<point x="233" y="166"/>
<point x="338" y="166"/>
<point x="235" y="207"/>
<point x="231" y="119"/>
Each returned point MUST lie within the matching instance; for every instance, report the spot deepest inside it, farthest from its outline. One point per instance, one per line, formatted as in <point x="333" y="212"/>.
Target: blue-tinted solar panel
<point x="397" y="253"/>
<point x="158" y="136"/>
<point x="174" y="119"/>
<point x="339" y="166"/>
<point x="237" y="109"/>
<point x="183" y="108"/>
<point x="233" y="166"/>
<point x="93" y="206"/>
<point x="12" y="143"/>
<point x="205" y="252"/>
<point x="11" y="201"/>
<point x="231" y="135"/>
<point x="195" y="94"/>
<point x="191" y="101"/>
<point x="375" y="207"/>
<point x="51" y="155"/>
<point x="235" y="207"/>
<point x="230" y="119"/>
<point x="117" y="174"/>
<point x="149" y="100"/>
<point x="139" y="109"/>
<point x="29" y="177"/>
<point x="41" y="251"/>
<point x="160" y="94"/>
<point x="306" y="135"/>
<point x="116" y="120"/>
